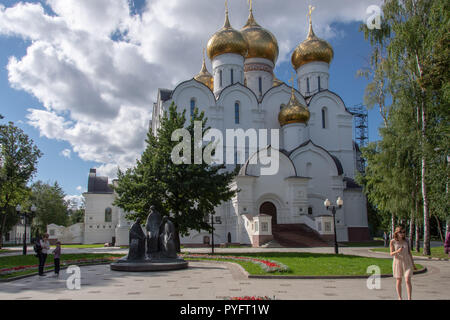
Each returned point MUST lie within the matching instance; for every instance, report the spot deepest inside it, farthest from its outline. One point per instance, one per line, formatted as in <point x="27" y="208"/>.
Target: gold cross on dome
<point x="311" y="9"/>
<point x="250" y="4"/>
<point x="291" y="81"/>
<point x="226" y="6"/>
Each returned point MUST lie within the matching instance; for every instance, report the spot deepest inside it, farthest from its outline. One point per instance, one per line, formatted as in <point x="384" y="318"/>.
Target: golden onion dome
<point x="294" y="112"/>
<point x="227" y="40"/>
<point x="276" y="82"/>
<point x="204" y="76"/>
<point x="312" y="49"/>
<point x="261" y="42"/>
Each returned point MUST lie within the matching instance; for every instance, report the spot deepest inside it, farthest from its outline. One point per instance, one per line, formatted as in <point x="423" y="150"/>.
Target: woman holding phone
<point x="403" y="264"/>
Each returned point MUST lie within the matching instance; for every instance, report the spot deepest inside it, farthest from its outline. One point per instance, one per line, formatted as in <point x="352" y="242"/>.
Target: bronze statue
<point x="137" y="242"/>
<point x="167" y="239"/>
<point x="152" y="226"/>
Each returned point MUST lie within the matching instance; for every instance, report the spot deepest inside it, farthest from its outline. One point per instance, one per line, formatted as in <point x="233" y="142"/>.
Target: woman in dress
<point x="403" y="264"/>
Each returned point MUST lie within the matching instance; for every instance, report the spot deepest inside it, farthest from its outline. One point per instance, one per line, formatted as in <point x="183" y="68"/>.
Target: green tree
<point x="50" y="204"/>
<point x="186" y="193"/>
<point x="18" y="164"/>
<point x="414" y="35"/>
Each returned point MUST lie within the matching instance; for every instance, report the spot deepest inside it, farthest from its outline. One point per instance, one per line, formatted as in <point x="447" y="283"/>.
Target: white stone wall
<point x="97" y="230"/>
<point x="312" y="71"/>
<point x="225" y="63"/>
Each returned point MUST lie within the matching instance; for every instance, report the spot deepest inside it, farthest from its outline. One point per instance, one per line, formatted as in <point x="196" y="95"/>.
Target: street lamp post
<point x="332" y="208"/>
<point x="25" y="215"/>
<point x="212" y="234"/>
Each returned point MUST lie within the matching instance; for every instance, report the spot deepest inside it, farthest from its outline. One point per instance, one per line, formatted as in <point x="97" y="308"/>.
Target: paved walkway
<point x="209" y="280"/>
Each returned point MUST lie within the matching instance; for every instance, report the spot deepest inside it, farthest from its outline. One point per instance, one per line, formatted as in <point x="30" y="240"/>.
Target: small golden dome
<point x="261" y="42"/>
<point x="204" y="76"/>
<point x="276" y="82"/>
<point x="227" y="40"/>
<point x="312" y="49"/>
<point x="294" y="112"/>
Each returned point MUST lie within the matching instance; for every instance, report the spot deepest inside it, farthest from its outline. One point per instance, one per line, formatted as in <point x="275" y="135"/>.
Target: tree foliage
<point x="186" y="193"/>
<point x="50" y="204"/>
<point x="410" y="163"/>
<point x="18" y="164"/>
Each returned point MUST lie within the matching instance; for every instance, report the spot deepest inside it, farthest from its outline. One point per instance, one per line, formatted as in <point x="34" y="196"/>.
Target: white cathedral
<point x="317" y="155"/>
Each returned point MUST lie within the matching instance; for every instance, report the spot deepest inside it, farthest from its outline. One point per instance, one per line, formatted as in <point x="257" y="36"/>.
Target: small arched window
<point x="220" y="78"/>
<point x="307" y="85"/>
<point x="324" y="118"/>
<point x="232" y="76"/>
<point x="310" y="210"/>
<point x="192" y="107"/>
<point x="260" y="85"/>
<point x="236" y="113"/>
<point x="318" y="83"/>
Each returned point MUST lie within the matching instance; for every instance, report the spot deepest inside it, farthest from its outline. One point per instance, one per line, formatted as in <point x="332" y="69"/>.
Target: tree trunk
<point x="440" y="229"/>
<point x="426" y="216"/>
<point x="2" y="228"/>
<point x="411" y="231"/>
<point x="392" y="226"/>
<point x="417" y="237"/>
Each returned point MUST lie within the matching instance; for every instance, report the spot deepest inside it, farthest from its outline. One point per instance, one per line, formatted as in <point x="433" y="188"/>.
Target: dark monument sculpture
<point x="154" y="251"/>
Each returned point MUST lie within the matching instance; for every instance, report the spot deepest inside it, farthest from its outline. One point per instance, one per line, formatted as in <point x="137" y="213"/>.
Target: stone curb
<point x="414" y="257"/>
<point x="48" y="271"/>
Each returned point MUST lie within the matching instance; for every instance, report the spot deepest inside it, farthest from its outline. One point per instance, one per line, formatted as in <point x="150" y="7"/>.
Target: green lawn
<point x="436" y="252"/>
<point x="30" y="259"/>
<point x="316" y="264"/>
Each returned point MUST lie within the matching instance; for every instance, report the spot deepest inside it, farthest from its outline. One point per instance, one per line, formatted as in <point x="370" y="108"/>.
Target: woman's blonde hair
<point x="397" y="231"/>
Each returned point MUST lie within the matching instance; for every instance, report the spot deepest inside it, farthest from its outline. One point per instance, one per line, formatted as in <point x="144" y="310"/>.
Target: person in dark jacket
<point x="57" y="254"/>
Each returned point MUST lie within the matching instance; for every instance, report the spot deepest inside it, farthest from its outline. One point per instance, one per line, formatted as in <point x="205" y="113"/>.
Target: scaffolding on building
<point x="361" y="132"/>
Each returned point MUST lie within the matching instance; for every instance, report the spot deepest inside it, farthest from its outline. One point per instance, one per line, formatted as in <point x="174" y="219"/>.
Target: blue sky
<point x="351" y="53"/>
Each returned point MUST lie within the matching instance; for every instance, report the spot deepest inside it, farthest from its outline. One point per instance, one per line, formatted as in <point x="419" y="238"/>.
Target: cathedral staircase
<point x="297" y="236"/>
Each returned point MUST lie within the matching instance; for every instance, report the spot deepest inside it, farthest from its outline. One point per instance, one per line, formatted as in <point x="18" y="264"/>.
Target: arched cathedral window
<point x="236" y="113"/>
<point x="192" y="107"/>
<point x="260" y="85"/>
<point x="307" y="85"/>
<point x="318" y="83"/>
<point x="108" y="215"/>
<point x="324" y="118"/>
<point x="220" y="78"/>
<point x="232" y="76"/>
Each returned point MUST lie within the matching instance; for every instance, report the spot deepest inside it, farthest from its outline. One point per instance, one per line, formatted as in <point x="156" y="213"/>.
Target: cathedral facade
<point x="316" y="152"/>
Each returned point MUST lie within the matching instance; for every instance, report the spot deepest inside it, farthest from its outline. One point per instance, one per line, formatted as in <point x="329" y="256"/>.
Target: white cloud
<point x="79" y="188"/>
<point x="66" y="153"/>
<point x="96" y="68"/>
<point x="75" y="201"/>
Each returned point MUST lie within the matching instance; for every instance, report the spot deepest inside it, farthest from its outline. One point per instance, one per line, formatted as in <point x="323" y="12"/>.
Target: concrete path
<point x="209" y="280"/>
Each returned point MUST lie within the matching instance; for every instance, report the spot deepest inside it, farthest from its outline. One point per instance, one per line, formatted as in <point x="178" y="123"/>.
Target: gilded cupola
<point x="293" y="112"/>
<point x="227" y="40"/>
<point x="312" y="49"/>
<point x="261" y="42"/>
<point x="204" y="76"/>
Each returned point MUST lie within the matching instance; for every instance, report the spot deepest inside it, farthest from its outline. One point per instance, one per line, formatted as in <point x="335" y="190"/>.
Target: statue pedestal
<point x="159" y="264"/>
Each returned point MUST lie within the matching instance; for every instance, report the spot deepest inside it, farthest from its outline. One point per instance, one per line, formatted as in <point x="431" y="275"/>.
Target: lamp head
<point x="18" y="208"/>
<point x="327" y="203"/>
<point x="339" y="202"/>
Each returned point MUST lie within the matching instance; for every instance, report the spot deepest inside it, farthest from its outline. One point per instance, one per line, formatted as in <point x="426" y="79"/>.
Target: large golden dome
<point x="227" y="40"/>
<point x="294" y="112"/>
<point x="312" y="49"/>
<point x="261" y="42"/>
<point x="204" y="76"/>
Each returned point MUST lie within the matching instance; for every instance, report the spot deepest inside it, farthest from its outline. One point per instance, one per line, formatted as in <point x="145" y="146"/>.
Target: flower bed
<point x="250" y="298"/>
<point x="63" y="263"/>
<point x="266" y="265"/>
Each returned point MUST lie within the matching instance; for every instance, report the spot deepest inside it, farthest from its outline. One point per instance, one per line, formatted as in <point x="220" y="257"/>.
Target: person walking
<point x="447" y="244"/>
<point x="57" y="254"/>
<point x="386" y="239"/>
<point x="45" y="246"/>
<point x="403" y="263"/>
